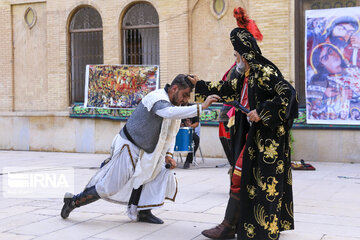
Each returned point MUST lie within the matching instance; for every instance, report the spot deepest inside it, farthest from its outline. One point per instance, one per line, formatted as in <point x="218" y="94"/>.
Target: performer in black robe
<point x="261" y="200"/>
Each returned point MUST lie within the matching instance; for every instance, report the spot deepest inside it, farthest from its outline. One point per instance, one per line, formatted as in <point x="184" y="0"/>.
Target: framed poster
<point x="332" y="65"/>
<point x="119" y="86"/>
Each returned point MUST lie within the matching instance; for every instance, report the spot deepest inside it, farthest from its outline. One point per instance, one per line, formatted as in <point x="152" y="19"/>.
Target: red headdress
<point x="243" y="21"/>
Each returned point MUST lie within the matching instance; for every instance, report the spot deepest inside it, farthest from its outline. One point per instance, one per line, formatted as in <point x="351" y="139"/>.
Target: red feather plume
<point x="243" y="21"/>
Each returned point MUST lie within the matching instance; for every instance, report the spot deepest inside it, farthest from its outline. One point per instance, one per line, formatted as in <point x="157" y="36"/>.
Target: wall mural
<point x="119" y="86"/>
<point x="333" y="66"/>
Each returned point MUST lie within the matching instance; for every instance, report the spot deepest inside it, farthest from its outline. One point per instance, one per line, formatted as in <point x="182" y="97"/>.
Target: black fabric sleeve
<point x="228" y="90"/>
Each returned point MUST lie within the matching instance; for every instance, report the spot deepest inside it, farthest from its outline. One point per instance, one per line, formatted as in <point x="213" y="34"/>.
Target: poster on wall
<point x="119" y="86"/>
<point x="332" y="65"/>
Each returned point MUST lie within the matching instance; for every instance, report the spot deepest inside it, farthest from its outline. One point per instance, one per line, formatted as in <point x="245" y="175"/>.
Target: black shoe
<point x="69" y="205"/>
<point x="147" y="216"/>
<point x="71" y="202"/>
<point x="186" y="165"/>
<point x="221" y="231"/>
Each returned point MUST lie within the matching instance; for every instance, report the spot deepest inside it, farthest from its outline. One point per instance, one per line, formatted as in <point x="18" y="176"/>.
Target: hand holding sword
<point x="252" y="115"/>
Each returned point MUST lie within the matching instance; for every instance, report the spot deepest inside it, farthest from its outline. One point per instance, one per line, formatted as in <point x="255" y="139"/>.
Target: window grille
<point x="86" y="42"/>
<point x="140" y="32"/>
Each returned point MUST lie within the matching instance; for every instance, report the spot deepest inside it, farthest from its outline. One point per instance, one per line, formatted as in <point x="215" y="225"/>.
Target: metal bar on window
<point x="86" y="30"/>
<point x="140" y="26"/>
<point x="132" y="46"/>
<point x="136" y="49"/>
<point x="151" y="46"/>
<point x="141" y="45"/>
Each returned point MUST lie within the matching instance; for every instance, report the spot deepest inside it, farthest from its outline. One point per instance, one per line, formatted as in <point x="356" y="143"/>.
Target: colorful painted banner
<point x="119" y="86"/>
<point x="333" y="66"/>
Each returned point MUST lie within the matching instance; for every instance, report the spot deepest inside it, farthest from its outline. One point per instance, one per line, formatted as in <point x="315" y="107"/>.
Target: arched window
<point x="140" y="32"/>
<point x="86" y="43"/>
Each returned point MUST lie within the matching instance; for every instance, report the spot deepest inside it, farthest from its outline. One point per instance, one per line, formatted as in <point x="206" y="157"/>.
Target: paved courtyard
<point x="327" y="203"/>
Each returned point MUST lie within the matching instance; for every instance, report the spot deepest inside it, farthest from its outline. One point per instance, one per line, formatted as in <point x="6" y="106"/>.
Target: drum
<point x="184" y="140"/>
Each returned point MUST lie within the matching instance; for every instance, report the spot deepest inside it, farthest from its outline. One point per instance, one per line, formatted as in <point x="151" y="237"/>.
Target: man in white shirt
<point x="142" y="154"/>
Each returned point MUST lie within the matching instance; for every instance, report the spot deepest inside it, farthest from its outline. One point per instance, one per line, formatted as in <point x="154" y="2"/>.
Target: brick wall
<point x="6" y="90"/>
<point x="30" y="59"/>
<point x="174" y="52"/>
<point x="273" y="19"/>
<point x="211" y="51"/>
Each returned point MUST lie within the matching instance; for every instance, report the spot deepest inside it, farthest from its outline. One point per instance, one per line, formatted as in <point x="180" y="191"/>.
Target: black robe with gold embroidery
<point x="266" y="183"/>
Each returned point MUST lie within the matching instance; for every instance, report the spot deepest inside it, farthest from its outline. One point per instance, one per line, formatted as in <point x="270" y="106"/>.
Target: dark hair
<point x="319" y="67"/>
<point x="341" y="20"/>
<point x="182" y="82"/>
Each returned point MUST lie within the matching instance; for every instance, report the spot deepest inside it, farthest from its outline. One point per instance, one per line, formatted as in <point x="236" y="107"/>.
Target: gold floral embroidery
<point x="262" y="84"/>
<point x="280" y="167"/>
<point x="286" y="225"/>
<point x="259" y="141"/>
<point x="251" y="81"/>
<point x="263" y="78"/>
<point x="269" y="186"/>
<point x="271" y="150"/>
<point x="249" y="56"/>
<point x="280" y="88"/>
<point x="229" y="98"/>
<point x="256" y="66"/>
<point x="199" y="98"/>
<point x="271" y="226"/>
<point x="250" y="230"/>
<point x="271" y="189"/>
<point x="243" y="35"/>
<point x="289" y="181"/>
<point x="265" y="116"/>
<point x="282" y="113"/>
<point x="234" y="83"/>
<point x="290" y="209"/>
<point x="261" y="81"/>
<point x="281" y="131"/>
<point x="247" y="43"/>
<point x="284" y="101"/>
<point x="252" y="191"/>
<point x="267" y="70"/>
<point x="251" y="153"/>
<point x="279" y="205"/>
<point x="260" y="216"/>
<point x="216" y="85"/>
<point x="259" y="178"/>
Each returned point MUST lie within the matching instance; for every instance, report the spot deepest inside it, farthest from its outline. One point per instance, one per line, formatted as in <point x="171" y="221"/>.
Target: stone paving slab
<point x="134" y="230"/>
<point x="327" y="203"/>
